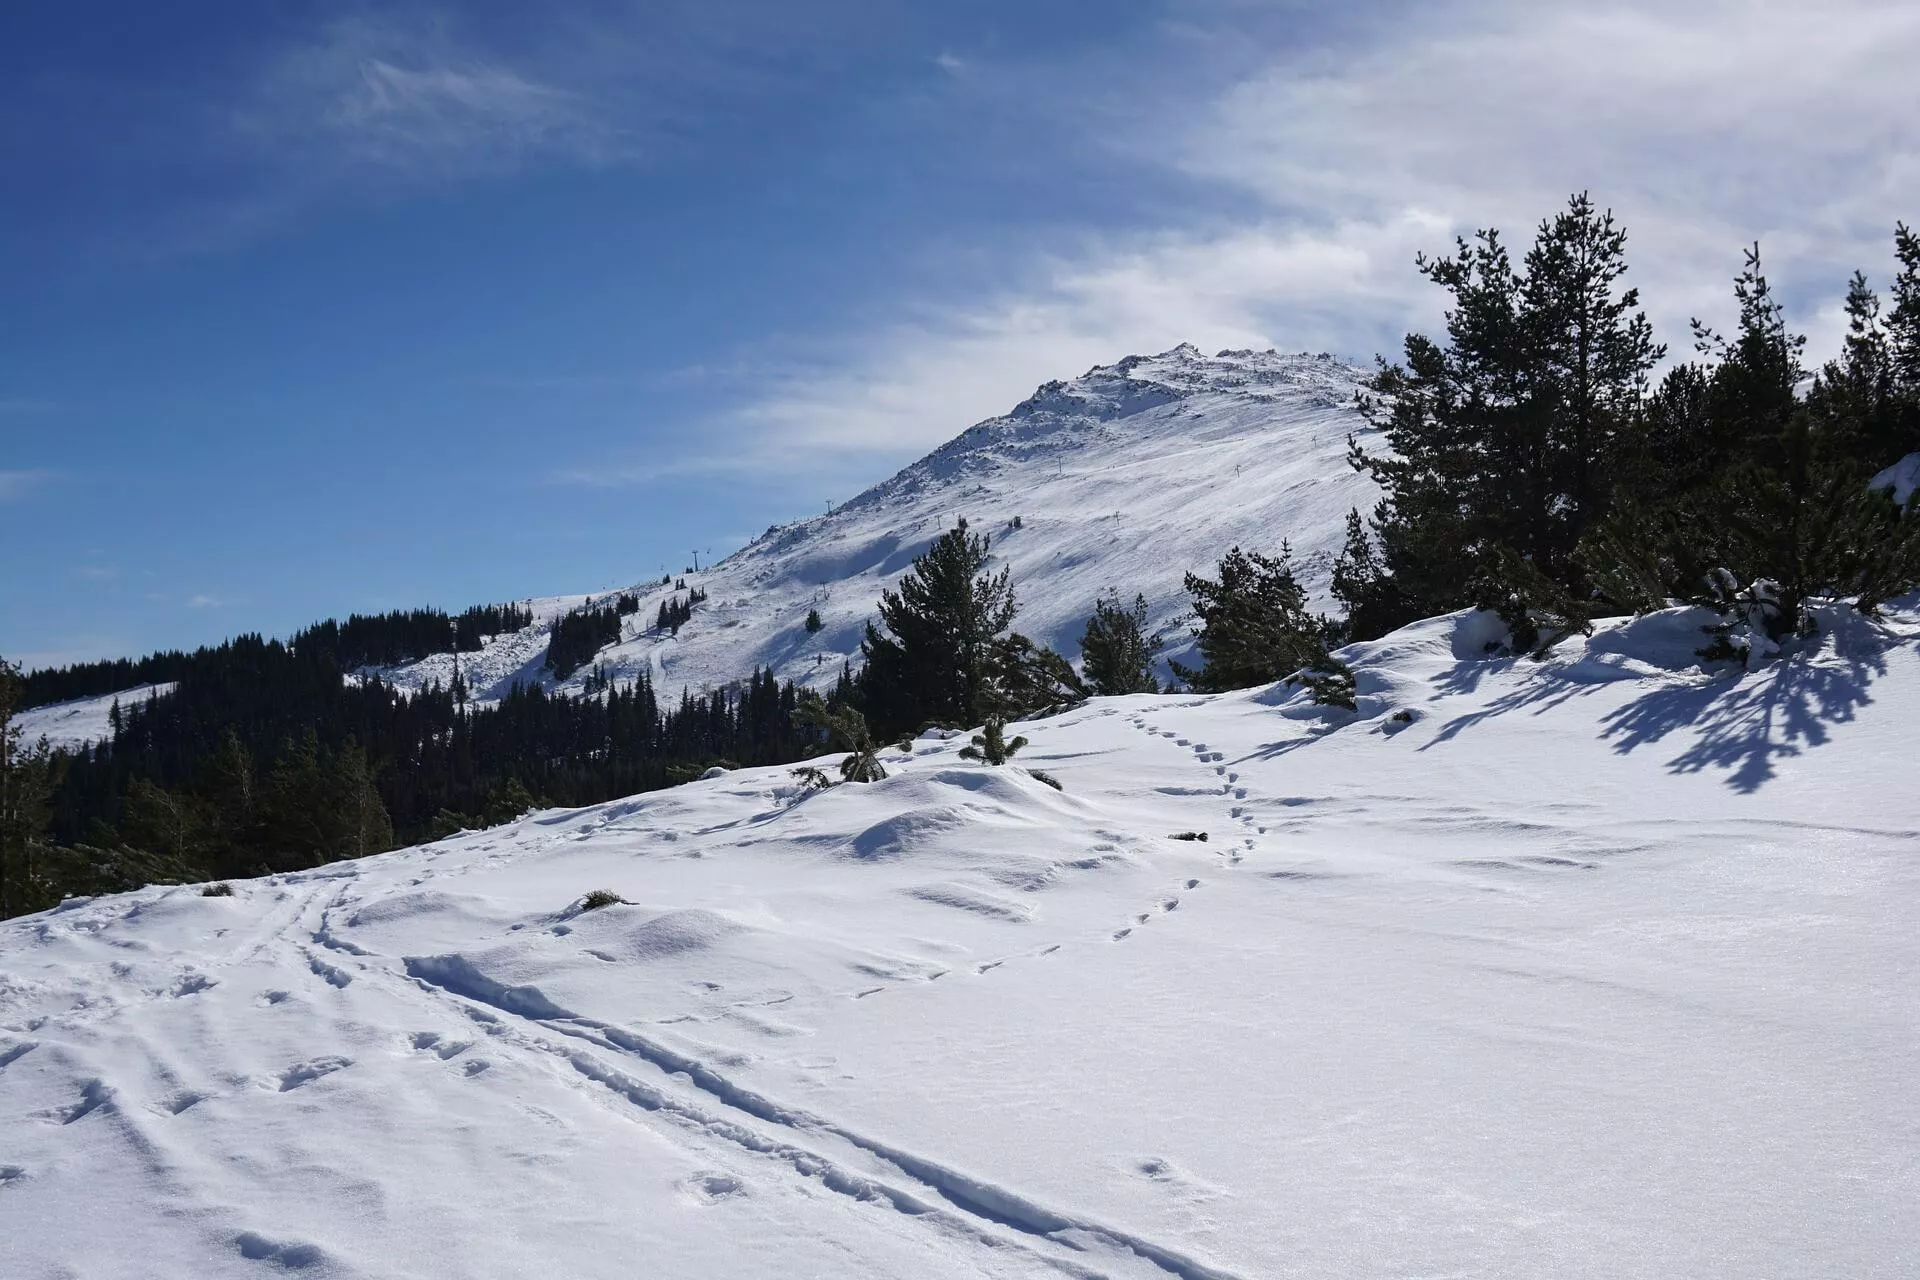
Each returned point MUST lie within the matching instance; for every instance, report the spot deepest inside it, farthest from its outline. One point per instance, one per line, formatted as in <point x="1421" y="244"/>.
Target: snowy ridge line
<point x="456" y="975"/>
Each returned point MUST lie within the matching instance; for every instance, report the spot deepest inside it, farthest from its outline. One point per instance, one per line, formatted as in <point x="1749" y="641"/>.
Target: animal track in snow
<point x="715" y="1186"/>
<point x="305" y="1073"/>
<point x="322" y="969"/>
<point x="294" y="1255"/>
<point x="434" y="1042"/>
<point x="1121" y="934"/>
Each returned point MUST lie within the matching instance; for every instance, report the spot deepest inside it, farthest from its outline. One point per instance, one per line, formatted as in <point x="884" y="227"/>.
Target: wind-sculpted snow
<point x="1597" y="966"/>
<point x="1127" y="478"/>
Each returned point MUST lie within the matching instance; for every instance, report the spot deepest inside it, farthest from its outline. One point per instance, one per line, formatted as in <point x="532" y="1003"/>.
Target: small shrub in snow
<point x="601" y="898"/>
<point x="846" y="729"/>
<point x="1188" y="835"/>
<point x="217" y="891"/>
<point x="1041" y="776"/>
<point x="990" y="745"/>
<point x="811" y="779"/>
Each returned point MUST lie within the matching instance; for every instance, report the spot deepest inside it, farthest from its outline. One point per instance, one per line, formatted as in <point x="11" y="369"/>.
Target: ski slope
<point x="1127" y="477"/>
<point x="1602" y="967"/>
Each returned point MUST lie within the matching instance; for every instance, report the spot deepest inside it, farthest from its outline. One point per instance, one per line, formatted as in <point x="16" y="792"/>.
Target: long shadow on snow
<point x="1742" y="723"/>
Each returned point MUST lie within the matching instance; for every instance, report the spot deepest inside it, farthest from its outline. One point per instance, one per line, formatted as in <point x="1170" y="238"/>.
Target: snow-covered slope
<point x="82" y="720"/>
<point x="1598" y="968"/>
<point x="1125" y="478"/>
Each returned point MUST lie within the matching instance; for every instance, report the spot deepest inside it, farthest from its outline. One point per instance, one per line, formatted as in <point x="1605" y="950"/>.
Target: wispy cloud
<point x="412" y="101"/>
<point x="1706" y="126"/>
<point x="203" y="601"/>
<point x="15" y="485"/>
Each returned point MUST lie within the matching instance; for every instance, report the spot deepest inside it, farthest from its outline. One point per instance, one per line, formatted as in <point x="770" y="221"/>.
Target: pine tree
<point x="362" y="825"/>
<point x="1024" y="679"/>
<point x="1115" y="650"/>
<point x="1254" y="625"/>
<point x="1363" y="586"/>
<point x="28" y="779"/>
<point x="1508" y="433"/>
<point x="991" y="745"/>
<point x="930" y="659"/>
<point x="814" y="624"/>
<point x="846" y="729"/>
<point x="174" y="825"/>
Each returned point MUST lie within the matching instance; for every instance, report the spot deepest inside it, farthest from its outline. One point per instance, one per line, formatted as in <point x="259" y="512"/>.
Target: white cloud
<point x="412" y="101"/>
<point x="1705" y="126"/>
<point x="203" y="601"/>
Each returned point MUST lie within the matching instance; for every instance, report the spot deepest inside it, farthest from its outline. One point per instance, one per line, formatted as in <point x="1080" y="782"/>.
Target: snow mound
<point x="1901" y="479"/>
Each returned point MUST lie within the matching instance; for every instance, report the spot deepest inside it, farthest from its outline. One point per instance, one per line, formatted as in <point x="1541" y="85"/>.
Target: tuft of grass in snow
<point x="601" y="898"/>
<point x="222" y="890"/>
<point x="1188" y="835"/>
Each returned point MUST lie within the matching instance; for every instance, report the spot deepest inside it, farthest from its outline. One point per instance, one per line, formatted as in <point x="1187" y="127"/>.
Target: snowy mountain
<point x="1597" y="967"/>
<point x="1127" y="477"/>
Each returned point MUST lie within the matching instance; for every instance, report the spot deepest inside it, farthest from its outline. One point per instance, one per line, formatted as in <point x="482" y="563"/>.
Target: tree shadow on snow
<point x="1748" y="724"/>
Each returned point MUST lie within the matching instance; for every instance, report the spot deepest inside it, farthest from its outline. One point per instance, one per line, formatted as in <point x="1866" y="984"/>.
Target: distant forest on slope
<point x="1535" y="467"/>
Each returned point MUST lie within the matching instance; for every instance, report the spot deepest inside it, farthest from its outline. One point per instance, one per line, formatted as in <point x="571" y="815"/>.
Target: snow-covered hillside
<point x="82" y="720"/>
<point x="1603" y="967"/>
<point x="1128" y="478"/>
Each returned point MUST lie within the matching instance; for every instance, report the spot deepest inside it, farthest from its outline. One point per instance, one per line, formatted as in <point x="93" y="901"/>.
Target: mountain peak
<point x="1125" y="478"/>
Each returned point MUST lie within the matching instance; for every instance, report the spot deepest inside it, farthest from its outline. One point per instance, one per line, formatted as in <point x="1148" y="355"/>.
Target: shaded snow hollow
<point x="1597" y="967"/>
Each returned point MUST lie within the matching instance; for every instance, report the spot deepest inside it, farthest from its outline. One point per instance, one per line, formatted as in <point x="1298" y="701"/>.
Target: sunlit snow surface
<point x="82" y="720"/>
<point x="1599" y="968"/>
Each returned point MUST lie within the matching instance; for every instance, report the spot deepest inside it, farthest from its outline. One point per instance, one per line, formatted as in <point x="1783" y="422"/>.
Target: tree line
<point x="363" y="640"/>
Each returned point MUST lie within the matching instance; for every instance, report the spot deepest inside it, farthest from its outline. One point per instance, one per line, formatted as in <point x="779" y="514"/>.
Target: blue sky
<point x="321" y="308"/>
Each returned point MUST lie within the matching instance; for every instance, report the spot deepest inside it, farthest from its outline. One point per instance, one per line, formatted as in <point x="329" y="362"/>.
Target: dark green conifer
<point x="1115" y="650"/>
<point x="1254" y="626"/>
<point x="930" y="660"/>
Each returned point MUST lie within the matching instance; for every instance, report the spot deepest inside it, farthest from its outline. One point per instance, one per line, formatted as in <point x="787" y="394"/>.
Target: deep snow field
<point x="1603" y="967"/>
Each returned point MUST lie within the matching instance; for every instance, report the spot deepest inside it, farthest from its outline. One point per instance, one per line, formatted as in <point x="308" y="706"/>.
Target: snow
<point x="1128" y="477"/>
<point x="1902" y="478"/>
<point x="1601" y="966"/>
<point x="82" y="720"/>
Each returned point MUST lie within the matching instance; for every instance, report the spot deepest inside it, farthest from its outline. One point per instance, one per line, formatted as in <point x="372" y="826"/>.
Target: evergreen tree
<point x="174" y="825"/>
<point x="1254" y="625"/>
<point x="28" y="778"/>
<point x="1507" y="434"/>
<point x="991" y="746"/>
<point x="1363" y="586"/>
<point x="1783" y="512"/>
<point x="930" y="660"/>
<point x="362" y="825"/>
<point x="846" y="729"/>
<point x="814" y="624"/>
<point x="295" y="808"/>
<point x="1024" y="679"/>
<point x="1115" y="650"/>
